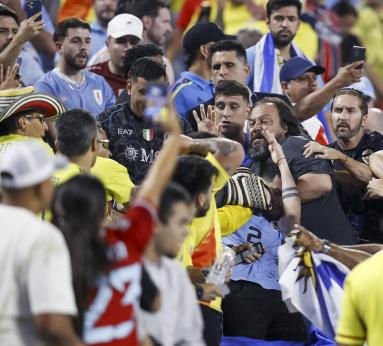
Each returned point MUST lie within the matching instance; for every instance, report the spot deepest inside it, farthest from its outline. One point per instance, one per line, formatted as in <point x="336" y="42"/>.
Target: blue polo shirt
<point x="98" y="38"/>
<point x="189" y="91"/>
<point x="93" y="94"/>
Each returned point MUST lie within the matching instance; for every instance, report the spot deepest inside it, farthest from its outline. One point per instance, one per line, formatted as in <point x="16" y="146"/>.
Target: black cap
<point x="200" y="34"/>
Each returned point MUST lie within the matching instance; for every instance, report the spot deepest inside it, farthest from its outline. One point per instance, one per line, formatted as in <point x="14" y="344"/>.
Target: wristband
<point x="326" y="246"/>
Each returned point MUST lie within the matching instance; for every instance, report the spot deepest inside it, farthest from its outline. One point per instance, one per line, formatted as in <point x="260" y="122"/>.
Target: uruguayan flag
<point x="312" y="283"/>
<point x="267" y="66"/>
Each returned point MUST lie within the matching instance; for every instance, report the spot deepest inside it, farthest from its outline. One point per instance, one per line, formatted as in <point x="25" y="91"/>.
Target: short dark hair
<point x="275" y="5"/>
<point x="194" y="173"/>
<point x="10" y="125"/>
<point x="233" y="88"/>
<point x="5" y="11"/>
<point x="344" y="8"/>
<point x="138" y="52"/>
<point x="174" y="193"/>
<point x="287" y="115"/>
<point x="76" y="129"/>
<point x="70" y="23"/>
<point x="191" y="57"/>
<point x="227" y="46"/>
<point x="356" y="93"/>
<point x="140" y="8"/>
<point x="147" y="68"/>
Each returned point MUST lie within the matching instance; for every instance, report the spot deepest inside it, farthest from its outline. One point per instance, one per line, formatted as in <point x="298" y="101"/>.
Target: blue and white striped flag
<point x="312" y="283"/>
<point x="267" y="66"/>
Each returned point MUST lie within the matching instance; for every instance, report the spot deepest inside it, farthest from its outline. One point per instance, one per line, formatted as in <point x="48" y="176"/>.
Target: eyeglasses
<point x="104" y="143"/>
<point x="41" y="117"/>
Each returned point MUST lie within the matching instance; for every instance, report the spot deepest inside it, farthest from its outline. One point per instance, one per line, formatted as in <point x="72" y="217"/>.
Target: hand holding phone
<point x="32" y="7"/>
<point x="358" y="54"/>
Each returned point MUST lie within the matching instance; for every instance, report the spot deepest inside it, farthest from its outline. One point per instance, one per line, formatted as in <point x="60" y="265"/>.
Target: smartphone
<point x="257" y="248"/>
<point x="358" y="53"/>
<point x="18" y="62"/>
<point x="32" y="7"/>
<point x="156" y="101"/>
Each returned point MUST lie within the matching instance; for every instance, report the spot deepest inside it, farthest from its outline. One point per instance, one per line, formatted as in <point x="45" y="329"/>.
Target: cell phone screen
<point x="32" y="7"/>
<point x="156" y="99"/>
<point x="358" y="53"/>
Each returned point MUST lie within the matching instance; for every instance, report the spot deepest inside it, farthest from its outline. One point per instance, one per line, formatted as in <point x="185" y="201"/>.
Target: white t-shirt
<point x="178" y="321"/>
<point x="35" y="275"/>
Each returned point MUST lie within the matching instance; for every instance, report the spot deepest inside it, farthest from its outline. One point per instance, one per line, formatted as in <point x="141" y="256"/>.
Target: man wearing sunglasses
<point x="25" y="114"/>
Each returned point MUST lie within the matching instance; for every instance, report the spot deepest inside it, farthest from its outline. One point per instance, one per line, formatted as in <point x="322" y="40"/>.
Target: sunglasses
<point x="41" y="117"/>
<point x="104" y="143"/>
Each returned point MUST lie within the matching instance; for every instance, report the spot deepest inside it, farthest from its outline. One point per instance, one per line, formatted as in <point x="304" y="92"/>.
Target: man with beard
<point x="202" y="178"/>
<point x="124" y="33"/>
<point x="156" y="18"/>
<point x="276" y="47"/>
<point x="299" y="83"/>
<point x="254" y="308"/>
<point x="350" y="156"/>
<point x="104" y="11"/>
<point x="70" y="81"/>
<point x="321" y="209"/>
<point x="13" y="34"/>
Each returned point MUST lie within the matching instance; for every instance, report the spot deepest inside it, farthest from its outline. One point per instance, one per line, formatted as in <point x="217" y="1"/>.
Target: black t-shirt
<point x="133" y="142"/>
<point x="366" y="217"/>
<point x="323" y="216"/>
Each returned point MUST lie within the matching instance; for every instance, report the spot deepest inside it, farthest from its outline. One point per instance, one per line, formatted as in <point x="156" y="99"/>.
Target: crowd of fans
<point x="118" y="228"/>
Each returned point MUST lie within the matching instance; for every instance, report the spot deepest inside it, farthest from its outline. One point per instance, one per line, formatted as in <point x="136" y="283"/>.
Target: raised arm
<point x="228" y="153"/>
<point x="290" y="195"/>
<point x="314" y="102"/>
<point x="27" y="31"/>
<point x="162" y="169"/>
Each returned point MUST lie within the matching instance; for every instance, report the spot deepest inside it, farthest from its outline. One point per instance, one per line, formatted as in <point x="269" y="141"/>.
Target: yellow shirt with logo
<point x="361" y="315"/>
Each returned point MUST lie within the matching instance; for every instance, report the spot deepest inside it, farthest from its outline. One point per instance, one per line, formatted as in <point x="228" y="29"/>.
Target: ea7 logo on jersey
<point x="97" y="96"/>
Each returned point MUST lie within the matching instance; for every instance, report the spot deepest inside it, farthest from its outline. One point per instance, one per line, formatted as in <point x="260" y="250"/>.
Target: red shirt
<point x="116" y="82"/>
<point x="109" y="320"/>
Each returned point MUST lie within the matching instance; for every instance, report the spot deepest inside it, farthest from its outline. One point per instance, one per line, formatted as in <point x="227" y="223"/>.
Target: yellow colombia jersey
<point x="361" y="315"/>
<point x="9" y="139"/>
<point x="115" y="179"/>
<point x="112" y="175"/>
<point x="204" y="241"/>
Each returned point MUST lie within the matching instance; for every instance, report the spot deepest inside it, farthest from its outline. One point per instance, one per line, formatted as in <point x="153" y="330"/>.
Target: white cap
<point x="365" y="86"/>
<point x="26" y="163"/>
<point x="125" y="24"/>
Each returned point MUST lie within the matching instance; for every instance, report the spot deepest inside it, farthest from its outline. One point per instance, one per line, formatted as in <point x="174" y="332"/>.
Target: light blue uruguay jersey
<point x="264" y="271"/>
<point x="94" y="94"/>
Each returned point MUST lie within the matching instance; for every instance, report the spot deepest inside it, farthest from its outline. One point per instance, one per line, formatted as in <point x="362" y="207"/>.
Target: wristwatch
<point x="326" y="246"/>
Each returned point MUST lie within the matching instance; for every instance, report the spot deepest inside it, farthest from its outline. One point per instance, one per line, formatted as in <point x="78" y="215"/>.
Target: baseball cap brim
<point x="124" y="33"/>
<point x="298" y="73"/>
<point x="49" y="105"/>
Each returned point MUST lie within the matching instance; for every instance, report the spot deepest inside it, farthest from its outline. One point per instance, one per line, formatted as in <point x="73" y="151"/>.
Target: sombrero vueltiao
<point x="14" y="101"/>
